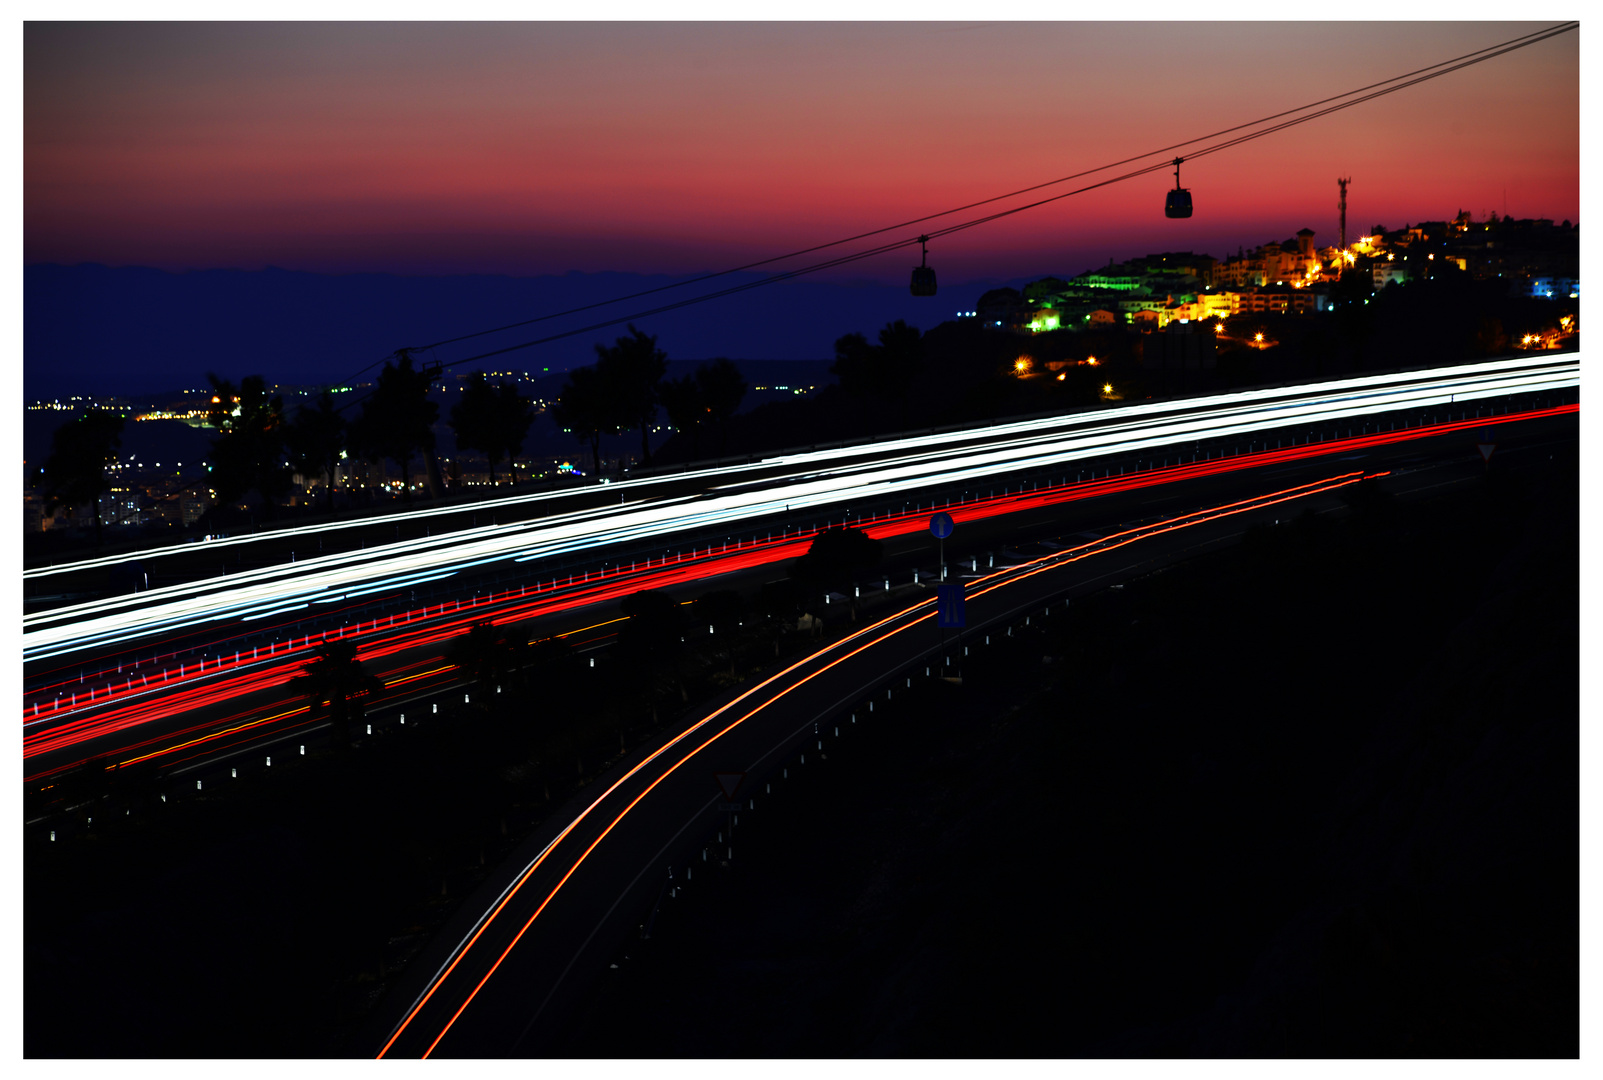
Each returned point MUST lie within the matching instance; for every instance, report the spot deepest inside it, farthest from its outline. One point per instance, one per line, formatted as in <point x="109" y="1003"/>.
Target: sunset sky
<point x="535" y="148"/>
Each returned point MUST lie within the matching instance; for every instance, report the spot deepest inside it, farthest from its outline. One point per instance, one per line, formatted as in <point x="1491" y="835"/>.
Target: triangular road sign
<point x="1486" y="449"/>
<point x="730" y="782"/>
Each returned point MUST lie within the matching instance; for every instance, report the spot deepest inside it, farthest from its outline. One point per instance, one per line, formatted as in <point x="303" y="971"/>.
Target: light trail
<point x="908" y="618"/>
<point x="390" y="637"/>
<point x="815" y="482"/>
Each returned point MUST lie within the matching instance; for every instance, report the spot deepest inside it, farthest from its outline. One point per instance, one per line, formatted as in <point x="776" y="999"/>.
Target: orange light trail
<point x="1010" y="574"/>
<point x="208" y="738"/>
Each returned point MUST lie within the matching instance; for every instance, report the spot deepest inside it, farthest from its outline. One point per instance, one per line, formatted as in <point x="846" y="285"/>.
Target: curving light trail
<point x="817" y="480"/>
<point x="683" y="747"/>
<point x="142" y="699"/>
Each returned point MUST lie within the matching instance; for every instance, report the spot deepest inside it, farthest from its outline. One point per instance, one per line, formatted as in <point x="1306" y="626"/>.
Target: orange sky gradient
<point x="537" y="148"/>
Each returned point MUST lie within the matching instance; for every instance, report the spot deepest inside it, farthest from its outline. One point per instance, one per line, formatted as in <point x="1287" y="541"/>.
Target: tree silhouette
<point x="651" y="642"/>
<point x="483" y="653"/>
<point x="854" y="364"/>
<point x="398" y="419"/>
<point x="630" y="369"/>
<point x="882" y="370"/>
<point x="835" y="558"/>
<point x="80" y="450"/>
<point x="550" y="660"/>
<point x="682" y="400"/>
<point x="514" y="415"/>
<point x="723" y="611"/>
<point x="316" y="440"/>
<point x="474" y="419"/>
<point x="722" y="388"/>
<point x="582" y="409"/>
<point x="334" y="677"/>
<point x="249" y="452"/>
<point x="903" y="347"/>
<point x="709" y="396"/>
<point x="362" y="445"/>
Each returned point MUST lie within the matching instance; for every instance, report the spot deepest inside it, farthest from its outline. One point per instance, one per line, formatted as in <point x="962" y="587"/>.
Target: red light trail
<point x="136" y="704"/>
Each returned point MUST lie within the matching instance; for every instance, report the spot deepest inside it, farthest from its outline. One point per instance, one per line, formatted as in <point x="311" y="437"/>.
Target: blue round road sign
<point x="941" y="525"/>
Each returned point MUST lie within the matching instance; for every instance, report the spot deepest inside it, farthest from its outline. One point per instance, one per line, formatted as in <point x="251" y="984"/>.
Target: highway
<point x="213" y="680"/>
<point x="500" y="979"/>
<point x="818" y="482"/>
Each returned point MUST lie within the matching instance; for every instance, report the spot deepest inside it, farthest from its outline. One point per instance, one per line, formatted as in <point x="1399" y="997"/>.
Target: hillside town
<point x="1292" y="277"/>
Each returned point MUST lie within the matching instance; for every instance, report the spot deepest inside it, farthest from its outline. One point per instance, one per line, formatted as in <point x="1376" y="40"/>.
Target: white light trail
<point x="815" y="480"/>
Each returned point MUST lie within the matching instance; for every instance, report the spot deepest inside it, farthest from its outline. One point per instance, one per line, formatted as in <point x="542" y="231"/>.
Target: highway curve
<point x="493" y="984"/>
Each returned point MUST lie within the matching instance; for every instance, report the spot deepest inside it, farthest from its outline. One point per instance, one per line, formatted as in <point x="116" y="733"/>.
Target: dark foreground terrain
<point x="1314" y="796"/>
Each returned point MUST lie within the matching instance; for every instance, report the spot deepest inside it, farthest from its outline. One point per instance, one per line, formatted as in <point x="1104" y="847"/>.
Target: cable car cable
<point x="1518" y="43"/>
<point x="961" y="226"/>
<point x="1240" y="139"/>
<point x="1505" y="46"/>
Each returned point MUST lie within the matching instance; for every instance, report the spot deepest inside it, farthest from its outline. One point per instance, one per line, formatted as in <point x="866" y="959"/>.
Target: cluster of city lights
<point x="814" y="480"/>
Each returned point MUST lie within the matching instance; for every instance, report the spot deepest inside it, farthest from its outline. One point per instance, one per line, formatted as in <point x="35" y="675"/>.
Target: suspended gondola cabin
<point x="924" y="274"/>
<point x="1178" y="204"/>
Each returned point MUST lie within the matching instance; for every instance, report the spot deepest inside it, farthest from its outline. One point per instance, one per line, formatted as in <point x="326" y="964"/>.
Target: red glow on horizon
<point x="542" y="147"/>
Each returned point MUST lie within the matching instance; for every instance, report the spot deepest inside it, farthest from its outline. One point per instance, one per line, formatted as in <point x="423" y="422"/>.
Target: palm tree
<point x="335" y="678"/>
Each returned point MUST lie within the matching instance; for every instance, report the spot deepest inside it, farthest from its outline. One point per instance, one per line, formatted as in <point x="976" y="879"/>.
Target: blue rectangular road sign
<point x="949" y="606"/>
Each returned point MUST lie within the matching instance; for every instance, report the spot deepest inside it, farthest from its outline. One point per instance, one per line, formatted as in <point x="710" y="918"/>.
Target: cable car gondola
<point x="924" y="274"/>
<point x="1178" y="204"/>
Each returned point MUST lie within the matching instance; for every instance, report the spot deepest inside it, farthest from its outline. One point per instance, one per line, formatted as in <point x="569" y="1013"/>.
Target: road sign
<point x="941" y="525"/>
<point x="730" y="782"/>
<point x="1486" y="449"/>
<point x="949" y="606"/>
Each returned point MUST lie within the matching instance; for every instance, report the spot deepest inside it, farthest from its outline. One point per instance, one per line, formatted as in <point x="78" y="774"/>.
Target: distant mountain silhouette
<point x="133" y="330"/>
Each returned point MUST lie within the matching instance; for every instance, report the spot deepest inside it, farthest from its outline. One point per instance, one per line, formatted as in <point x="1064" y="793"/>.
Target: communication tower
<point x="1342" y="184"/>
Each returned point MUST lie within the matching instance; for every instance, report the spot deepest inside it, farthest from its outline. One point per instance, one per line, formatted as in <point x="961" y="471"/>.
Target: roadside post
<point x="941" y="525"/>
<point x="949" y="614"/>
<point x="949" y="597"/>
<point x="729" y="783"/>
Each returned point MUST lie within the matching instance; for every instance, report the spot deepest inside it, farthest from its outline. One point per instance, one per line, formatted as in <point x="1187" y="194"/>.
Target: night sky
<point x="539" y="148"/>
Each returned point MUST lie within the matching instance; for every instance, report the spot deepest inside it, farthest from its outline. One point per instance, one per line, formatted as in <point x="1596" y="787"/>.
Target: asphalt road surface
<point x="237" y="707"/>
<point x="500" y="979"/>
